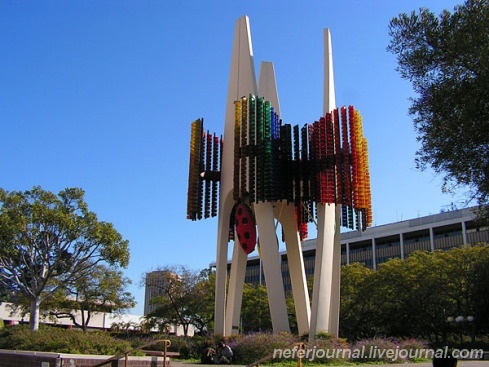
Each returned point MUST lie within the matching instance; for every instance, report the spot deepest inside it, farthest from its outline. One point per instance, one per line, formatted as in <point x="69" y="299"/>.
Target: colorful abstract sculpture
<point x="267" y="170"/>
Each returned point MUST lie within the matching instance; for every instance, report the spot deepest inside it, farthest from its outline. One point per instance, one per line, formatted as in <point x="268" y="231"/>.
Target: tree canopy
<point x="180" y="296"/>
<point x="416" y="296"/>
<point x="103" y="291"/>
<point x="48" y="242"/>
<point x="255" y="310"/>
<point x="446" y="59"/>
<point x="405" y="298"/>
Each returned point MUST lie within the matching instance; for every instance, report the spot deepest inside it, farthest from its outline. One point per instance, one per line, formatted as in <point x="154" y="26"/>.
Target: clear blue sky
<point x="100" y="95"/>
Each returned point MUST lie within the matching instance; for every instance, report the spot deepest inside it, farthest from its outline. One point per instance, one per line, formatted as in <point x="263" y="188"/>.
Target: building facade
<point x="155" y="284"/>
<point x="378" y="244"/>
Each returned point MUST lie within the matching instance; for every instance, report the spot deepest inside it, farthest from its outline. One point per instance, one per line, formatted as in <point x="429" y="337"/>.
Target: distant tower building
<point x="155" y="285"/>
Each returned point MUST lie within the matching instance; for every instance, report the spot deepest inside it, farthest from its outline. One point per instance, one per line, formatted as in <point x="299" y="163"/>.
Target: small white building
<point x="98" y="320"/>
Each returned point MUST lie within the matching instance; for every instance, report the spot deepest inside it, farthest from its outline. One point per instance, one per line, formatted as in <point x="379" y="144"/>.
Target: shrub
<point x="413" y="345"/>
<point x="177" y="344"/>
<point x="54" y="339"/>
<point x="197" y="345"/>
<point x="252" y="347"/>
<point x="323" y="335"/>
<point x="328" y="350"/>
<point x="188" y="347"/>
<point x="247" y="348"/>
<point x="387" y="350"/>
<point x="375" y="350"/>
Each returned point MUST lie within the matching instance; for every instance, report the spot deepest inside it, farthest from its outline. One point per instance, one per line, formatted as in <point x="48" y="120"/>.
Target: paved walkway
<point x="423" y="364"/>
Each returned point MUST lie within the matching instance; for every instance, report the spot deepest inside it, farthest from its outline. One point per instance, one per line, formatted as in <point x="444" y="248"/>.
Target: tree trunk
<point x="85" y="319"/>
<point x="34" y="315"/>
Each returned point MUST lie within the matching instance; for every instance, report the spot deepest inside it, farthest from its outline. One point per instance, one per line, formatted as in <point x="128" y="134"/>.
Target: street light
<point x="459" y="320"/>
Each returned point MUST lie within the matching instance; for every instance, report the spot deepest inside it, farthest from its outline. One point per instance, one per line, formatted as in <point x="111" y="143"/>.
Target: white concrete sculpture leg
<point x="267" y="88"/>
<point x="221" y="266"/>
<point x="236" y="285"/>
<point x="334" y="312"/>
<point x="285" y="214"/>
<point x="272" y="268"/>
<point x="330" y="105"/>
<point x="323" y="270"/>
<point x="242" y="81"/>
<point x="326" y="295"/>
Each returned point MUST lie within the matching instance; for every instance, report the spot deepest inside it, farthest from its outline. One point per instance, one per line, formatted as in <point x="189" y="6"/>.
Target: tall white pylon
<point x="326" y="289"/>
<point x="284" y="213"/>
<point x="242" y="82"/>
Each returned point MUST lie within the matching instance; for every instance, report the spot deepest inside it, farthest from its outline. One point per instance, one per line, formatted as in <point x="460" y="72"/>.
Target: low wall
<point x="17" y="358"/>
<point x="10" y="358"/>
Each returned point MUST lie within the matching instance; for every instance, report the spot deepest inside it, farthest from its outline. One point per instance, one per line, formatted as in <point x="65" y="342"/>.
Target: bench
<point x="159" y="353"/>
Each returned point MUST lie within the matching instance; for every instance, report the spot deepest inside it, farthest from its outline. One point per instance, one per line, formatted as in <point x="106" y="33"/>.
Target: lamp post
<point x="460" y="320"/>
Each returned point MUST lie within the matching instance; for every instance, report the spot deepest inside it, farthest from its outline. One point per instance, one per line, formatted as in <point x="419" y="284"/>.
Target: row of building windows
<point x="398" y="240"/>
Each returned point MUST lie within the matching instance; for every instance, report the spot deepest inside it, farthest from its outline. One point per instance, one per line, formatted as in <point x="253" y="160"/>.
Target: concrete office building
<point x="381" y="243"/>
<point x="155" y="283"/>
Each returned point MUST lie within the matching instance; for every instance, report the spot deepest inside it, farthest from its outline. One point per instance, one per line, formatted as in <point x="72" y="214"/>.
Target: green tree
<point x="446" y="58"/>
<point x="480" y="296"/>
<point x="290" y="304"/>
<point x="203" y="301"/>
<point x="468" y="289"/>
<point x="49" y="241"/>
<point x="415" y="297"/>
<point x="255" y="311"/>
<point x="5" y="293"/>
<point x="182" y="297"/>
<point x="103" y="291"/>
<point x="357" y="309"/>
